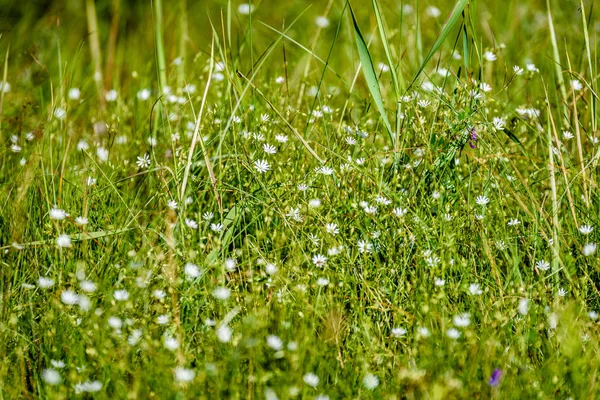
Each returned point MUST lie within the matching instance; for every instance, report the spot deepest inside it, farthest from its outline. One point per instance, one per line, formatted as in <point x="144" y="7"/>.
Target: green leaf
<point x="448" y="25"/>
<point x="386" y="48"/>
<point x="369" y="71"/>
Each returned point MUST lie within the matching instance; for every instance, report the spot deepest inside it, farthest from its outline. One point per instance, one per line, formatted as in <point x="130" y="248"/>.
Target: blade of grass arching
<point x="586" y="36"/>
<point x="370" y="75"/>
<point x="386" y="49"/>
<point x="448" y="25"/>
<point x="207" y="161"/>
<point x="294" y="131"/>
<point x="558" y="69"/>
<point x="183" y="34"/>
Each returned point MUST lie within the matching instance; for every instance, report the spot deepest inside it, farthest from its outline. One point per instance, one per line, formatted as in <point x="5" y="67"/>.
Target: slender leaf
<point x="369" y="71"/>
<point x="386" y="48"/>
<point x="448" y="25"/>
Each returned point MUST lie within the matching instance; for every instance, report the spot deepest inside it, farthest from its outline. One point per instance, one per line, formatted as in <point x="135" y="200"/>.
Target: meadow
<point x="324" y="199"/>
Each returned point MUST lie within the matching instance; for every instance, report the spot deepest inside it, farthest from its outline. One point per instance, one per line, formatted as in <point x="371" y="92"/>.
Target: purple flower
<point x="473" y="138"/>
<point x="495" y="378"/>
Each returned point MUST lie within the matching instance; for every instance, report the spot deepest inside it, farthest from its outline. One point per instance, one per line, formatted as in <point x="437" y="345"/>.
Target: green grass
<point x="261" y="202"/>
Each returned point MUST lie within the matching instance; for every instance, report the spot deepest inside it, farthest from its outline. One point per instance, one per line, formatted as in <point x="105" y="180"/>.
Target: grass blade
<point x="369" y="71"/>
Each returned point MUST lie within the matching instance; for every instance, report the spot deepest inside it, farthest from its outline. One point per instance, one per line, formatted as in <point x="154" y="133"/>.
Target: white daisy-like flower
<point x="498" y="123"/>
<point x="433" y="11"/>
<point x="364" y="246"/>
<point x="45" y="282"/>
<point x="518" y="70"/>
<point x="542" y="265"/>
<point x="400" y="212"/>
<point x="398" y="332"/>
<point x="51" y="376"/>
<point x="319" y="260"/>
<point x="143" y="161"/>
<point x="191" y="270"/>
<point x="585" y="229"/>
<point x="462" y="320"/>
<point x="245" y="9"/>
<point x="322" y="22"/>
<point x="63" y="240"/>
<point x="332" y="228"/>
<point x="143" y="94"/>
<point x="370" y="382"/>
<point x="281" y="138"/>
<point x="224" y="333"/>
<point x="261" y="166"/>
<point x="111" y="95"/>
<point x="475" y="289"/>
<point x="274" y="342"/>
<point x="221" y="293"/>
<point x="311" y="379"/>
<point x="576" y="85"/>
<point x="81" y="221"/>
<point x="218" y="227"/>
<point x="69" y="297"/>
<point x="184" y="374"/>
<point x="170" y="343"/>
<point x="453" y="333"/>
<point x="191" y="223"/>
<point x="482" y="200"/>
<point x="57" y="214"/>
<point x="269" y="149"/>
<point x="589" y="249"/>
<point x="531" y="67"/>
<point x="523" y="306"/>
<point x="489" y="56"/>
<point x="121" y="295"/>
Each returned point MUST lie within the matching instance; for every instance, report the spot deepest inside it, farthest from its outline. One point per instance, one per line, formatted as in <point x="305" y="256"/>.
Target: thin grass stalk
<point x="586" y="36"/>
<point x="557" y="65"/>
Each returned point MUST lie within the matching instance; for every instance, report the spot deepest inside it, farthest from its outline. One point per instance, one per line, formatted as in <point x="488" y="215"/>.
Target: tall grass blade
<point x="366" y="63"/>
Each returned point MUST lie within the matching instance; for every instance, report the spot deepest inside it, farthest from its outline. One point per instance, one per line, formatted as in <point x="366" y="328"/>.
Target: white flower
<point x="482" y="200"/>
<point x="163" y="319"/>
<point x="115" y="322"/>
<point x="69" y="297"/>
<point x="576" y="85"/>
<point x="453" y="333"/>
<point x="191" y="270"/>
<point x="88" y="286"/>
<point x="102" y="154"/>
<point x="111" y="95"/>
<point x="322" y="281"/>
<point x="184" y="374"/>
<point x="57" y="214"/>
<point x="319" y="260"/>
<point x="370" y="381"/>
<point x="221" y="293"/>
<point x="58" y="364"/>
<point x="45" y="283"/>
<point x="51" y="376"/>
<point x="439" y="282"/>
<point x="489" y="56"/>
<point x="423" y="332"/>
<point x="523" y="306"/>
<point x="593" y="315"/>
<point x="279" y="80"/>
<point x="143" y="94"/>
<point x="585" y="229"/>
<point x="60" y="113"/>
<point x="159" y="294"/>
<point x="513" y="222"/>
<point x="74" y="93"/>
<point x="433" y="11"/>
<point x="485" y="87"/>
<point x="88" y="386"/>
<point x="274" y="342"/>
<point x="332" y="229"/>
<point x="191" y="223"/>
<point x="542" y="265"/>
<point x="63" y="240"/>
<point x="322" y="22"/>
<point x="462" y="320"/>
<point x="561" y="292"/>
<point x="170" y="343"/>
<point x="4" y="87"/>
<point x="498" y="123"/>
<point x="135" y="337"/>
<point x="281" y="138"/>
<point x="230" y="264"/>
<point x="143" y="161"/>
<point x="518" y="70"/>
<point x="324" y="170"/>
<point x="207" y="216"/>
<point x="400" y="212"/>
<point x="364" y="246"/>
<point x="311" y="379"/>
<point x="261" y="166"/>
<point x="314" y="203"/>
<point x="567" y="135"/>
<point x="474" y="289"/>
<point x="121" y="295"/>
<point x="245" y="9"/>
<point x="269" y="149"/>
<point x="589" y="249"/>
<point x="271" y="269"/>
<point x="531" y="67"/>
<point x="224" y="333"/>
<point x="398" y="332"/>
<point x="217" y="227"/>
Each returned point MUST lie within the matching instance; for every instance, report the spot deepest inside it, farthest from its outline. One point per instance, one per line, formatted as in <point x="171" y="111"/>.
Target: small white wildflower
<point x="274" y="342"/>
<point x="45" y="283"/>
<point x="322" y="22"/>
<point x="462" y="320"/>
<point x="542" y="265"/>
<point x="523" y="306"/>
<point x="69" y="297"/>
<point x="576" y="85"/>
<point x="184" y="374"/>
<point x="489" y="56"/>
<point x="589" y="249"/>
<point x="63" y="241"/>
<point x="398" y="332"/>
<point x="74" y="93"/>
<point x="143" y="161"/>
<point x="585" y="229"/>
<point x="170" y="343"/>
<point x="224" y="333"/>
<point x="311" y="379"/>
<point x="221" y="293"/>
<point x="57" y="214"/>
<point x="482" y="200"/>
<point x="191" y="223"/>
<point x="121" y="295"/>
<point x="453" y="333"/>
<point x="370" y="381"/>
<point x="319" y="260"/>
<point x="474" y="289"/>
<point x="433" y="11"/>
<point x="191" y="270"/>
<point x="245" y="9"/>
<point x="262" y="166"/>
<point x="111" y="95"/>
<point x="51" y="376"/>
